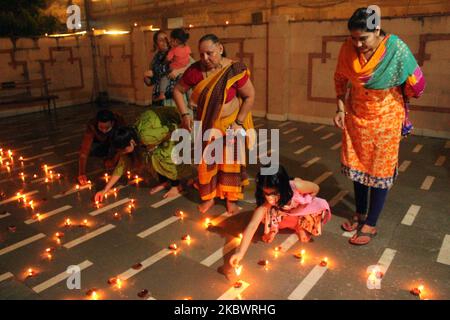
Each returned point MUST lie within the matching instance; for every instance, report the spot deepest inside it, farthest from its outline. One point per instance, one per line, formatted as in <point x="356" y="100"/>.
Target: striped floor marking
<point x="42" y="155"/>
<point x="145" y="264"/>
<point x="109" y="207"/>
<point x="327" y="136"/>
<point x="39" y="180"/>
<point x="15" y="198"/>
<point x="22" y="148"/>
<point x="408" y="219"/>
<point x="289" y="242"/>
<point x="224" y="216"/>
<point x="417" y="148"/>
<point x="72" y="154"/>
<point x="56" y="145"/>
<point x="284" y="124"/>
<point x="158" y="227"/>
<point x="22" y="243"/>
<point x="308" y="283"/>
<point x="166" y="200"/>
<point x="4" y="215"/>
<point x="59" y="278"/>
<point x="386" y="258"/>
<point x="349" y="234"/>
<point x="233" y="293"/>
<point x="335" y="200"/>
<point x="38" y="140"/>
<point x="440" y="161"/>
<point x="323" y="177"/>
<point x="62" y="164"/>
<point x="220" y="253"/>
<point x="48" y="214"/>
<point x="318" y="128"/>
<point x="309" y="163"/>
<point x="89" y="236"/>
<point x="21" y="167"/>
<point x="70" y="137"/>
<point x="71" y="191"/>
<point x="447" y="145"/>
<point x="302" y="150"/>
<point x="444" y="252"/>
<point x="6" y="276"/>
<point x="265" y="142"/>
<point x="290" y="130"/>
<point x="267" y="153"/>
<point x="336" y="146"/>
<point x="405" y="164"/>
<point x="296" y="139"/>
<point x="426" y="185"/>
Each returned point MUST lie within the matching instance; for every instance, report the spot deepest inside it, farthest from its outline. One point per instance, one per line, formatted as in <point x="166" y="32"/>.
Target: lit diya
<point x="92" y="294"/>
<point x="31" y="273"/>
<point x="187" y="238"/>
<point x="180" y="214"/>
<point x="264" y="263"/>
<point x="324" y="262"/>
<point x="68" y="222"/>
<point x="208" y="223"/>
<point x="238" y="270"/>
<point x="173" y="247"/>
<point x="417" y="291"/>
<point x="237" y="284"/>
<point x="115" y="282"/>
<point x="300" y="255"/>
<point x="116" y="215"/>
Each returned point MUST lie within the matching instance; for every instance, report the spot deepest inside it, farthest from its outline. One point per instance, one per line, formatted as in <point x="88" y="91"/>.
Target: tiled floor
<point x="413" y="240"/>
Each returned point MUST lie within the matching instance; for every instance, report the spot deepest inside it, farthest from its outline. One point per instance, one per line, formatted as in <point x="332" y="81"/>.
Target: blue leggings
<point x="377" y="199"/>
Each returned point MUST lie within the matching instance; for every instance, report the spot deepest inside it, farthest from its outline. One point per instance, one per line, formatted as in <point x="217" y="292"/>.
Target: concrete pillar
<point x="278" y="68"/>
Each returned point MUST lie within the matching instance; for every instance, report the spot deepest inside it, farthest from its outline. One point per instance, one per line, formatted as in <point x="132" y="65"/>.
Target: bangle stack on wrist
<point x="185" y="114"/>
<point x="239" y="123"/>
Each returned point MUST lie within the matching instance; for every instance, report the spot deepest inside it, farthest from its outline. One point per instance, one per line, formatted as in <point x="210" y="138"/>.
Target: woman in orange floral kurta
<point x="382" y="74"/>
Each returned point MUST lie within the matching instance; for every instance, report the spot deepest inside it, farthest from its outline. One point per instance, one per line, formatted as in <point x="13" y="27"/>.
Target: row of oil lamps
<point x="93" y="293"/>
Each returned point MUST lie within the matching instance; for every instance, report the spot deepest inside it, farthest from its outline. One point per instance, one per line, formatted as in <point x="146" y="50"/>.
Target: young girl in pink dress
<point x="284" y="203"/>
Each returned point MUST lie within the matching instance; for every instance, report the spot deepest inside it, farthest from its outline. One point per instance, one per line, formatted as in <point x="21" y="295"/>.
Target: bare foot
<point x="192" y="183"/>
<point x="268" y="237"/>
<point x="303" y="235"/>
<point x="159" y="187"/>
<point x="173" y="192"/>
<point x="206" y="205"/>
<point x="232" y="207"/>
<point x="161" y="97"/>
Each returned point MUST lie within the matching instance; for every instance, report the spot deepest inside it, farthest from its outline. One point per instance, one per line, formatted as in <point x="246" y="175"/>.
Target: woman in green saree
<point x="147" y="146"/>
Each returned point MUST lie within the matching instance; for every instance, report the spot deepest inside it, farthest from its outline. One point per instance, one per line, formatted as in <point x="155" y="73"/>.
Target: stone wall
<point x="298" y="58"/>
<point x="67" y="62"/>
<point x="312" y="58"/>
